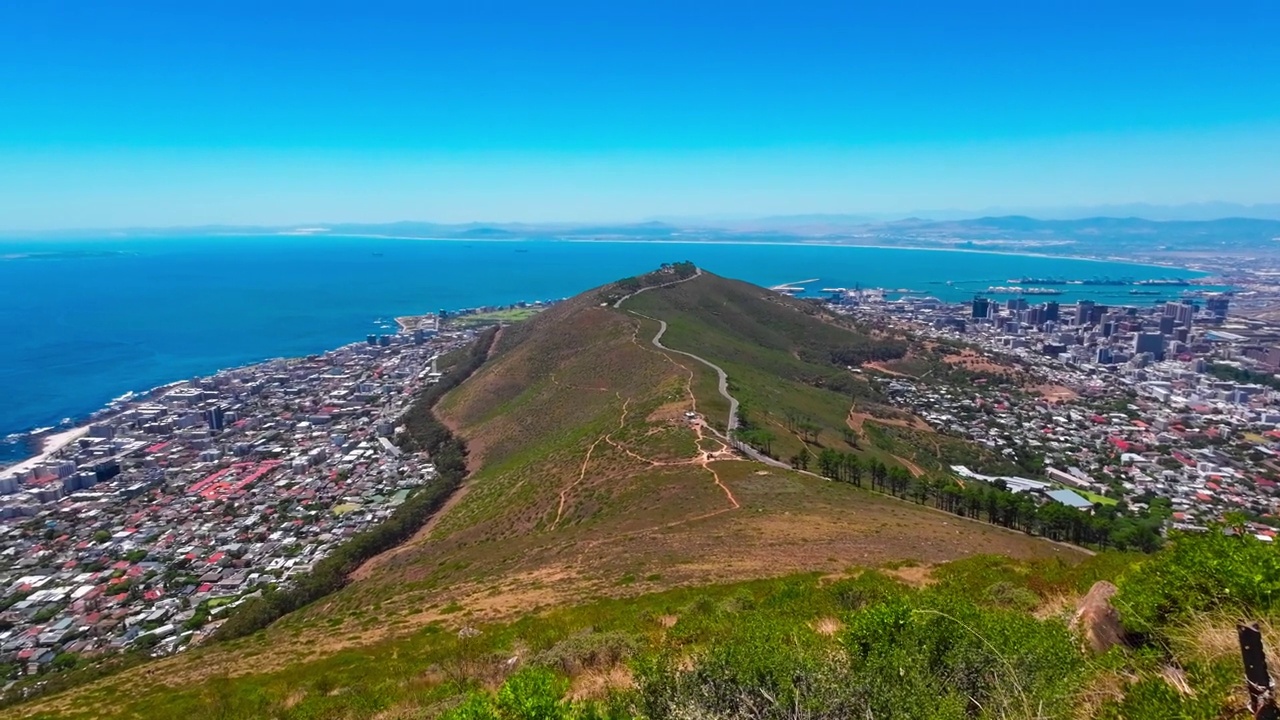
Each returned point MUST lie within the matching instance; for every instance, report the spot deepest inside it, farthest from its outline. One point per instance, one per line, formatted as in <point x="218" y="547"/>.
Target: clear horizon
<point x="153" y="115"/>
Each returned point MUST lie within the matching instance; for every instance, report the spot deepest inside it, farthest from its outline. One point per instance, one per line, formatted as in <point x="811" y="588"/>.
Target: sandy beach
<point x="49" y="445"/>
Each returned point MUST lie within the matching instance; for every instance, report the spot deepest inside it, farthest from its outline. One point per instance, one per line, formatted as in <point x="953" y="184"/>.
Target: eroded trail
<point x="582" y="474"/>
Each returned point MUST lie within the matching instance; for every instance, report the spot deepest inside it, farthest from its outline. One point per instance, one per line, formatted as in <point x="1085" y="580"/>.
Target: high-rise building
<point x="1166" y="325"/>
<point x="1181" y="312"/>
<point x="980" y="307"/>
<point x="215" y="417"/>
<point x="1218" y="305"/>
<point x="1149" y="343"/>
<point x="1084" y="311"/>
<point x="1051" y="312"/>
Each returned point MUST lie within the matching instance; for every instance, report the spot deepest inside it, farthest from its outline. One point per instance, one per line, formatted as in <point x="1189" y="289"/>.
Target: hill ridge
<point x="589" y="481"/>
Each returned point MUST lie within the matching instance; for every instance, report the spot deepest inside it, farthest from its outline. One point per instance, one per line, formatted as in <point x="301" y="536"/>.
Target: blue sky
<point x="137" y="113"/>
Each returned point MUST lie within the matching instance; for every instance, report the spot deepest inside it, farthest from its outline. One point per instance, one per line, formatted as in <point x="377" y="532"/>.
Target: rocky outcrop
<point x="1096" y="619"/>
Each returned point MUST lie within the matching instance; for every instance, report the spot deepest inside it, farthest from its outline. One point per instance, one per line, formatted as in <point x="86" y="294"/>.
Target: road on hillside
<point x="732" y="423"/>
<point x="697" y="273"/>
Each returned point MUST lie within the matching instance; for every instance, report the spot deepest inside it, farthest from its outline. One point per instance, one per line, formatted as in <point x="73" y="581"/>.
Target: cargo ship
<point x="1060" y="281"/>
<point x="1018" y="290"/>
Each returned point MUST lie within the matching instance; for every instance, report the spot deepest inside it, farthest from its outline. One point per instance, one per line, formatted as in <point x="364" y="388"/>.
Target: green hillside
<point x="788" y="362"/>
<point x="608" y="557"/>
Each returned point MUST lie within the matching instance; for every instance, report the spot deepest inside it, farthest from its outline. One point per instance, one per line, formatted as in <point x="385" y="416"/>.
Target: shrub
<point x="588" y="650"/>
<point x="1199" y="573"/>
<point x="533" y="694"/>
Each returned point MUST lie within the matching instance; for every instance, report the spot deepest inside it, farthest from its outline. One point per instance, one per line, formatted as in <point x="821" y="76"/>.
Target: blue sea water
<point x="84" y="321"/>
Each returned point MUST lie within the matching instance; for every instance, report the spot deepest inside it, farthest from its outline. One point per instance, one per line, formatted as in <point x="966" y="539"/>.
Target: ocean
<point x="88" y="320"/>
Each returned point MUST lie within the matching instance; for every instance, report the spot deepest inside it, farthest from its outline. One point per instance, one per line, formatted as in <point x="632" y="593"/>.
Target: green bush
<point x="910" y="654"/>
<point x="588" y="650"/>
<point x="534" y="693"/>
<point x="1199" y="573"/>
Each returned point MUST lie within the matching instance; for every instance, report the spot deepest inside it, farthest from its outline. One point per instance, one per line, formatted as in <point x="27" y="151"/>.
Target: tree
<point x="855" y="470"/>
<point x="850" y="437"/>
<point x="800" y="460"/>
<point x="65" y="661"/>
<point x="829" y="463"/>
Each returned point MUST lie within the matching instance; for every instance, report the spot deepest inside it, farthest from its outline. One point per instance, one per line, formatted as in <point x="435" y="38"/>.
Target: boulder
<point x="1096" y="619"/>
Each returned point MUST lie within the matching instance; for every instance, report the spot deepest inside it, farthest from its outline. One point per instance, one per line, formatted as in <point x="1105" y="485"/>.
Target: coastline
<point x="769" y="243"/>
<point x="800" y="242"/>
<point x="102" y="402"/>
<point x="49" y="445"/>
<point x="54" y="441"/>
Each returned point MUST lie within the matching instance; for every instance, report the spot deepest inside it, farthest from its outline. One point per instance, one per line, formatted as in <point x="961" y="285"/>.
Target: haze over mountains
<point x="1162" y="241"/>
<point x="1208" y="218"/>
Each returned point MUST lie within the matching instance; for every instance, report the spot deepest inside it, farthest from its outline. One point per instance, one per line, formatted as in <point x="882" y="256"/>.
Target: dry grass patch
<point x="1211" y="638"/>
<point x="597" y="683"/>
<point x="827" y="626"/>
<point x="1062" y="606"/>
<point x="914" y="575"/>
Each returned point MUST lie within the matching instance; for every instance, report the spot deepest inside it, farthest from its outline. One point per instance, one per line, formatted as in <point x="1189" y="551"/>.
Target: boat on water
<point x="1060" y="281"/>
<point x="1019" y="290"/>
<point x="1037" y="281"/>
<point x="1165" y="282"/>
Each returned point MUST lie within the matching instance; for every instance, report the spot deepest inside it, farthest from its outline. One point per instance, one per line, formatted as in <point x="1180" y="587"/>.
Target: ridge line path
<point x="697" y="273"/>
<point x="722" y="377"/>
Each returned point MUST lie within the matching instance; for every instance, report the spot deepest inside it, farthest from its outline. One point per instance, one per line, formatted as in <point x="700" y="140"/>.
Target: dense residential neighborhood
<point x="141" y="529"/>
<point x="1101" y="405"/>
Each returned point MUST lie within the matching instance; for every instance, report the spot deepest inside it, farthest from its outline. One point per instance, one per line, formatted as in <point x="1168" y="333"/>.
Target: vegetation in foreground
<point x="984" y="637"/>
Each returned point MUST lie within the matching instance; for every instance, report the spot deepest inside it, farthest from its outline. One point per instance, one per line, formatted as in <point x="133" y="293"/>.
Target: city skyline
<point x="154" y="115"/>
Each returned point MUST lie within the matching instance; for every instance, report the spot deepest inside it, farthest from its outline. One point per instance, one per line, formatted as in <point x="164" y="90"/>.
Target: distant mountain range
<point x="1098" y="236"/>
<point x="1146" y="211"/>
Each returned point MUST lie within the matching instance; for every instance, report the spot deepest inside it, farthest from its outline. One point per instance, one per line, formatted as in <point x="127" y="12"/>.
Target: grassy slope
<point x="757" y="336"/>
<point x="585" y="486"/>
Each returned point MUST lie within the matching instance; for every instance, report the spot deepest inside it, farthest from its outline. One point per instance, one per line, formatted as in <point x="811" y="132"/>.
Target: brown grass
<point x="1056" y="394"/>
<point x="1062" y="606"/>
<point x="913" y="575"/>
<point x="827" y="626"/>
<point x="975" y="362"/>
<point x="597" y="683"/>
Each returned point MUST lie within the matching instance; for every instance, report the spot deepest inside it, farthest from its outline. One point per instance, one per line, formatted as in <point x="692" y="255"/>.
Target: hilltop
<point x="604" y="466"/>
